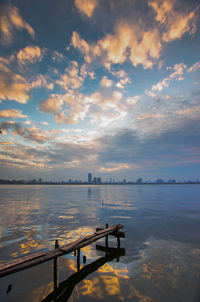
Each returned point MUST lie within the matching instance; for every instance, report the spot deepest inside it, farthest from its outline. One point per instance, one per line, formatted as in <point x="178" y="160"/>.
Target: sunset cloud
<point x="30" y="54"/>
<point x="71" y="78"/>
<point x="176" y="75"/>
<point x="86" y="6"/>
<point x="145" y="46"/>
<point x="13" y="86"/>
<point x="51" y="105"/>
<point x="12" y="113"/>
<point x="106" y="82"/>
<point x="176" y="23"/>
<point x="194" y="67"/>
<point x="41" y="81"/>
<point x="116" y="167"/>
<point x="10" y="19"/>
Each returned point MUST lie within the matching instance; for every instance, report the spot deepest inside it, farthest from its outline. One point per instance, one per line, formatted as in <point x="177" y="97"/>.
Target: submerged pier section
<point x="75" y="246"/>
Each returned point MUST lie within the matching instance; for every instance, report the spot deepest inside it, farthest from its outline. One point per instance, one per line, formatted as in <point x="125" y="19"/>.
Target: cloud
<point x="10" y="19"/>
<point x="194" y="67"/>
<point x="84" y="72"/>
<point x="57" y="56"/>
<point x="176" y="75"/>
<point x="41" y="81"/>
<point x="13" y="86"/>
<point x="71" y="77"/>
<point x="145" y="116"/>
<point x="176" y="23"/>
<point x="116" y="168"/>
<point x="51" y="105"/>
<point x="30" y="54"/>
<point x="86" y="6"/>
<point x="144" y="46"/>
<point x="33" y="134"/>
<point x="12" y="113"/>
<point x="67" y="108"/>
<point x="122" y="150"/>
<point x="133" y="100"/>
<point x="123" y="82"/>
<point x="192" y="112"/>
<point x="106" y="82"/>
<point x="140" y="42"/>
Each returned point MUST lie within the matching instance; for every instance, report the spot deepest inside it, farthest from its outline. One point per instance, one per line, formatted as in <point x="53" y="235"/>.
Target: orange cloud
<point x="29" y="54"/>
<point x="115" y="167"/>
<point x="86" y="6"/>
<point x="176" y="23"/>
<point x="51" y="105"/>
<point x="194" y="67"/>
<point x="144" y="47"/>
<point x="71" y="78"/>
<point x="106" y="82"/>
<point x="13" y="86"/>
<point x="41" y="81"/>
<point x="176" y="75"/>
<point x="13" y="113"/>
<point x="11" y="19"/>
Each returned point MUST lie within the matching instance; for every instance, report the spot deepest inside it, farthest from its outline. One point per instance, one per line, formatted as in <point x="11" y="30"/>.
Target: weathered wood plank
<point x="115" y="233"/>
<point x="35" y="259"/>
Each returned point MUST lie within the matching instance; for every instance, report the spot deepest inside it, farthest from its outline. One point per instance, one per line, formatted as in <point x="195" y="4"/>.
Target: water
<point x="162" y="244"/>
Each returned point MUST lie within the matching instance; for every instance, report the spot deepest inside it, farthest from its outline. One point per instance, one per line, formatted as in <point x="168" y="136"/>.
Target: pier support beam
<point x="55" y="277"/>
<point x="78" y="259"/>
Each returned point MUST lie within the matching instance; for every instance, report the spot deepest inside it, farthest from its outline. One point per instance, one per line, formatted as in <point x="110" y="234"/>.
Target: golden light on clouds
<point x="30" y="54"/>
<point x="10" y="20"/>
<point x="13" y="113"/>
<point x="86" y="6"/>
<point x="176" y="23"/>
<point x="13" y="86"/>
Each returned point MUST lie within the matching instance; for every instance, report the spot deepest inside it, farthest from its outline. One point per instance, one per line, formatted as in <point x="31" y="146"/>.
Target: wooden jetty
<point x="41" y="257"/>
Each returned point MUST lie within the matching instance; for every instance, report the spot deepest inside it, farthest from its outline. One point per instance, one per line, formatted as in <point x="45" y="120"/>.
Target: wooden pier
<point x="41" y="257"/>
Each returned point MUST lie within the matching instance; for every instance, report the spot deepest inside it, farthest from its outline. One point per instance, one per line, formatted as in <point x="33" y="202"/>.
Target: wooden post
<point x="55" y="278"/>
<point x="78" y="260"/>
<point x="84" y="259"/>
<point x="106" y="239"/>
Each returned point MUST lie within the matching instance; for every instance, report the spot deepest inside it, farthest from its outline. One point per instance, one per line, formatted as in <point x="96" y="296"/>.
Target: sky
<point x="110" y="87"/>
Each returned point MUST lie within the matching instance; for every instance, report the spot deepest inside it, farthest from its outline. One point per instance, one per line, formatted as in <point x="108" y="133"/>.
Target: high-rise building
<point x="99" y="180"/>
<point x="139" y="181"/>
<point x="89" y="177"/>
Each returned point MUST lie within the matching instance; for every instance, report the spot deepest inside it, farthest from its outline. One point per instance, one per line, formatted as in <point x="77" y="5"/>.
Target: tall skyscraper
<point x="89" y="177"/>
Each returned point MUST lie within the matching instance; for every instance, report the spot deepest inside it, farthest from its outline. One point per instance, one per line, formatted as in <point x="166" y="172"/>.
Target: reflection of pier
<point x="38" y="258"/>
<point x="65" y="289"/>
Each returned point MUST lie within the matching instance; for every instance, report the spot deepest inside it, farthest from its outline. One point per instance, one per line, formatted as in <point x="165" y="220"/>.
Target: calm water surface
<point x="162" y="244"/>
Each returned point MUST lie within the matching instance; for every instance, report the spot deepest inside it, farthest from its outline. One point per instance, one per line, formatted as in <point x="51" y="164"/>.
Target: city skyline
<point x="105" y="86"/>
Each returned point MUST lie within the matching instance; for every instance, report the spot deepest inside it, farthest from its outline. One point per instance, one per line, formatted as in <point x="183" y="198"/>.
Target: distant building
<point x="94" y="180"/>
<point x="98" y="180"/>
<point x="160" y="181"/>
<point x="89" y="177"/>
<point x="172" y="181"/>
<point x="139" y="181"/>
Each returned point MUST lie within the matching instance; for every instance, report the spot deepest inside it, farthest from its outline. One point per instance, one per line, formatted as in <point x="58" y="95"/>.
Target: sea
<point x="158" y="260"/>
